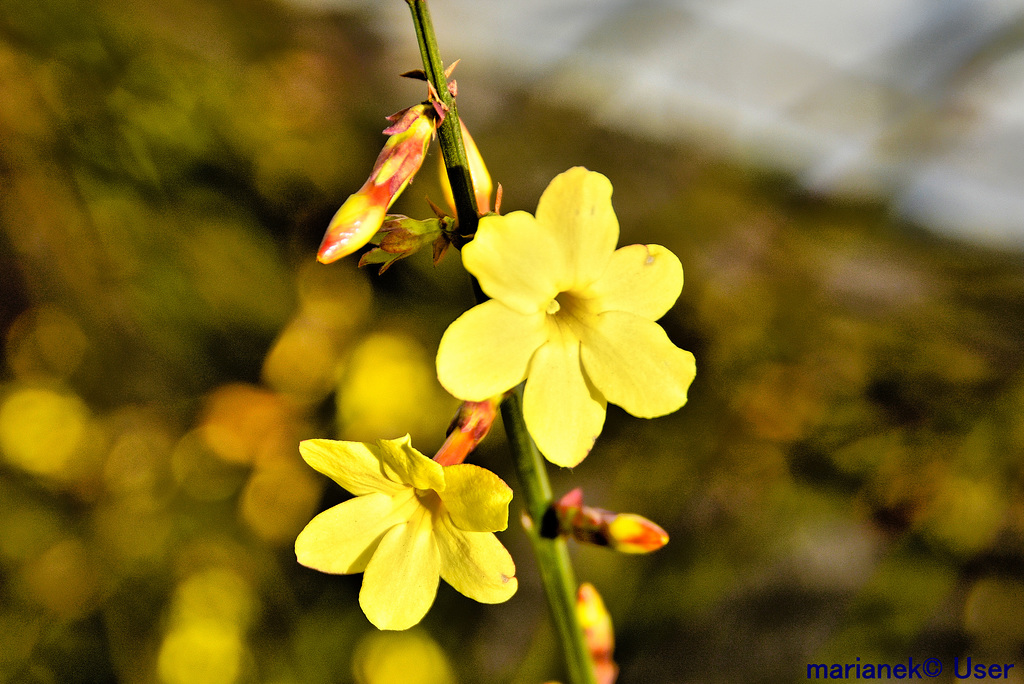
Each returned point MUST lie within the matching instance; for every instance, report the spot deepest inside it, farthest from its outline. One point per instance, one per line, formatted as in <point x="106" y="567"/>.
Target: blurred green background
<point x="845" y="482"/>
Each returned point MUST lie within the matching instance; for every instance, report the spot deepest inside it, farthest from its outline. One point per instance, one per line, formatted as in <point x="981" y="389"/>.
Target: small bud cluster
<point x="363" y="218"/>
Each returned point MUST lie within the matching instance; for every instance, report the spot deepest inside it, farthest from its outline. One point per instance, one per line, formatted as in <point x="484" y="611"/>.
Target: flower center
<point x="570" y="310"/>
<point x="429" y="500"/>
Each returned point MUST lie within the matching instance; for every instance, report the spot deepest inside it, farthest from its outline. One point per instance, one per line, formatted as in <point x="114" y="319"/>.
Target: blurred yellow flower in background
<point x="571" y="315"/>
<point x="411" y="522"/>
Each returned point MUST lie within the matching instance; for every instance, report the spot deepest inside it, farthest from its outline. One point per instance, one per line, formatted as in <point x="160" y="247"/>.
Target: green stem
<point x="449" y="133"/>
<point x="556" y="570"/>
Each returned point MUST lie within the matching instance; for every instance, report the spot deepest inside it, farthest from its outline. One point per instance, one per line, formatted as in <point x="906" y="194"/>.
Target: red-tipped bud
<point x="597" y="632"/>
<point x="624" y="532"/>
<point x="482" y="185"/>
<point x="630" y="533"/>
<point x="361" y="215"/>
<point x="354" y="223"/>
<point x="470" y="425"/>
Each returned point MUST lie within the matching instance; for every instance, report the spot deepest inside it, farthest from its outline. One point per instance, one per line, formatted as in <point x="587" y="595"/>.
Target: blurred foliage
<point x="846" y="480"/>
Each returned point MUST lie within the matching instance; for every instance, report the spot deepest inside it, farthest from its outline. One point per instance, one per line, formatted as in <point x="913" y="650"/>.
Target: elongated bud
<point x="624" y="532"/>
<point x="361" y="215"/>
<point x="597" y="632"/>
<point x="470" y="425"/>
<point x="482" y="185"/>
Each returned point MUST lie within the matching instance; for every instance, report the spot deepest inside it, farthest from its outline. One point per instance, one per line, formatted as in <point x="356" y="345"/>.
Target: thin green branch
<point x="449" y="133"/>
<point x="556" y="570"/>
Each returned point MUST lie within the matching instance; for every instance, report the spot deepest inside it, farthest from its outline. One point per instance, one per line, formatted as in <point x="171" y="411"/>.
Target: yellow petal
<point x="341" y="539"/>
<point x="403" y="463"/>
<point x="577" y="208"/>
<point x="476" y="564"/>
<point x="635" y="365"/>
<point x="487" y="349"/>
<point x="353" y="465"/>
<point x="401" y="579"/>
<point x="562" y="412"/>
<point x="517" y="261"/>
<point x="642" y="279"/>
<point x="476" y="498"/>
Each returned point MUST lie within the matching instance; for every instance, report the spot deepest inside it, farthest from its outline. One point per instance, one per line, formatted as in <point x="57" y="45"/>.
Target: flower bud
<point x="361" y="215"/>
<point x="470" y="425"/>
<point x="597" y="632"/>
<point x="623" y="532"/>
<point x="630" y="533"/>
<point x="482" y="185"/>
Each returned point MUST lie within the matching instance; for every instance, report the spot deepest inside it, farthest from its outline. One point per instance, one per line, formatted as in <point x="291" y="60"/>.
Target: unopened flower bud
<point x="470" y="425"/>
<point x="482" y="185"/>
<point x="624" y="532"/>
<point x="597" y="632"/>
<point x="361" y="215"/>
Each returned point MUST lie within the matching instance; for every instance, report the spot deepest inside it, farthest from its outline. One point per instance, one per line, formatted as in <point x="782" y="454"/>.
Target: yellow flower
<point x="571" y="315"/>
<point x="411" y="521"/>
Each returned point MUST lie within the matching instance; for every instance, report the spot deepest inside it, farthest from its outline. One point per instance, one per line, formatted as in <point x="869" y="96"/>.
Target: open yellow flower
<point x="411" y="521"/>
<point x="571" y="315"/>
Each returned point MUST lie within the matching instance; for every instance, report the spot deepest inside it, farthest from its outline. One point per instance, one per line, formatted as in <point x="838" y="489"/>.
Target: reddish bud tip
<point x="354" y="223"/>
<point x="470" y="425"/>
<point x="631" y="533"/>
<point x="597" y="632"/>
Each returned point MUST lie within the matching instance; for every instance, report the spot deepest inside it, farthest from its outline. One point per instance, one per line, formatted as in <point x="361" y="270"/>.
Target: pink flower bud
<point x="361" y="215"/>
<point x="624" y="532"/>
<point x="470" y="425"/>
